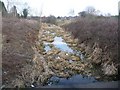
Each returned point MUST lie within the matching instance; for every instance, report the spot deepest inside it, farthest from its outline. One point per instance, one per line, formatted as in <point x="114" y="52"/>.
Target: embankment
<point x="99" y="39"/>
<point x="18" y="36"/>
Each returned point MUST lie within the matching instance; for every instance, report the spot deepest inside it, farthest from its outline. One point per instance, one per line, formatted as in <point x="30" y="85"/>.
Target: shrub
<point x="51" y="19"/>
<point x="100" y="30"/>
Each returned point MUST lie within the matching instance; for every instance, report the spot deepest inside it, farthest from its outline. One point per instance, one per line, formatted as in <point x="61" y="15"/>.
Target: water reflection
<point x="75" y="79"/>
<point x="58" y="43"/>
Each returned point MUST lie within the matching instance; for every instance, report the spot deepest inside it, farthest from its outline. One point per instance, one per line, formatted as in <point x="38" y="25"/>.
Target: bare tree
<point x="108" y="14"/>
<point x="71" y="12"/>
<point x="97" y="12"/>
<point x="119" y="7"/>
<point x="11" y="3"/>
<point x="8" y="5"/>
<point x="25" y="13"/>
<point x="90" y="10"/>
<point x="82" y="14"/>
<point x="41" y="15"/>
<point x="13" y="11"/>
<point x="20" y="5"/>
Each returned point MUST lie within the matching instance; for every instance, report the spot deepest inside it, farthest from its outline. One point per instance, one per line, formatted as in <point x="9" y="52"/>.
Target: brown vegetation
<point x="23" y="64"/>
<point x="100" y="35"/>
<point x="18" y="37"/>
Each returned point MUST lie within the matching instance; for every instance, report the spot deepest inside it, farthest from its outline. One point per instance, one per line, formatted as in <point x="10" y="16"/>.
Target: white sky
<point x="63" y="7"/>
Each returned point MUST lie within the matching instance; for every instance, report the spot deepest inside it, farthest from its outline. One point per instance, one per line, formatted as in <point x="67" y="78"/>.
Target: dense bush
<point x="102" y="30"/>
<point x="51" y="19"/>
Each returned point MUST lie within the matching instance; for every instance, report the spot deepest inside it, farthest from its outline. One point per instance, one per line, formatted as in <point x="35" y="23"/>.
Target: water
<point x="58" y="43"/>
<point x="70" y="61"/>
<point x="74" y="80"/>
<point x="47" y="48"/>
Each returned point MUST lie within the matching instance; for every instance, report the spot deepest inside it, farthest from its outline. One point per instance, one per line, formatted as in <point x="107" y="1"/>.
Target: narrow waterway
<point x="59" y="43"/>
<point x="66" y="61"/>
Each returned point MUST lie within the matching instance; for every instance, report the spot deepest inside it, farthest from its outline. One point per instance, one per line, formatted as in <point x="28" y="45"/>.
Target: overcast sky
<point x="63" y="7"/>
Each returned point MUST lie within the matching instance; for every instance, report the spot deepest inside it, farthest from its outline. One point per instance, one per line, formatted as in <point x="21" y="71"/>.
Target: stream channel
<point x="60" y="44"/>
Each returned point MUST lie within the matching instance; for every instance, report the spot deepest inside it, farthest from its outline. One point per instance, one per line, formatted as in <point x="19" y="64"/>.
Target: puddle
<point x="74" y="80"/>
<point x="71" y="61"/>
<point x="60" y="44"/>
<point x="47" y="48"/>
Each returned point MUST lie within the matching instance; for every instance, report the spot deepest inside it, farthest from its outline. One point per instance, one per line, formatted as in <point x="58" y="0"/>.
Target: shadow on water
<point x="75" y="79"/>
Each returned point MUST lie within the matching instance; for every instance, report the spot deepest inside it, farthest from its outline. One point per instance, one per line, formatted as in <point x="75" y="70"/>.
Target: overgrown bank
<point x="28" y="62"/>
<point x="98" y="38"/>
<point x="18" y="37"/>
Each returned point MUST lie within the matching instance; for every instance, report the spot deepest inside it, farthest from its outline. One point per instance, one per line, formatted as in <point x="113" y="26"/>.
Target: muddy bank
<point x="98" y="39"/>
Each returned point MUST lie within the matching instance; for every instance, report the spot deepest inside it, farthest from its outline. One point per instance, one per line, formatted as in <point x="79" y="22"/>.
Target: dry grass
<point x="22" y="65"/>
<point x="19" y="36"/>
<point x="98" y="33"/>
